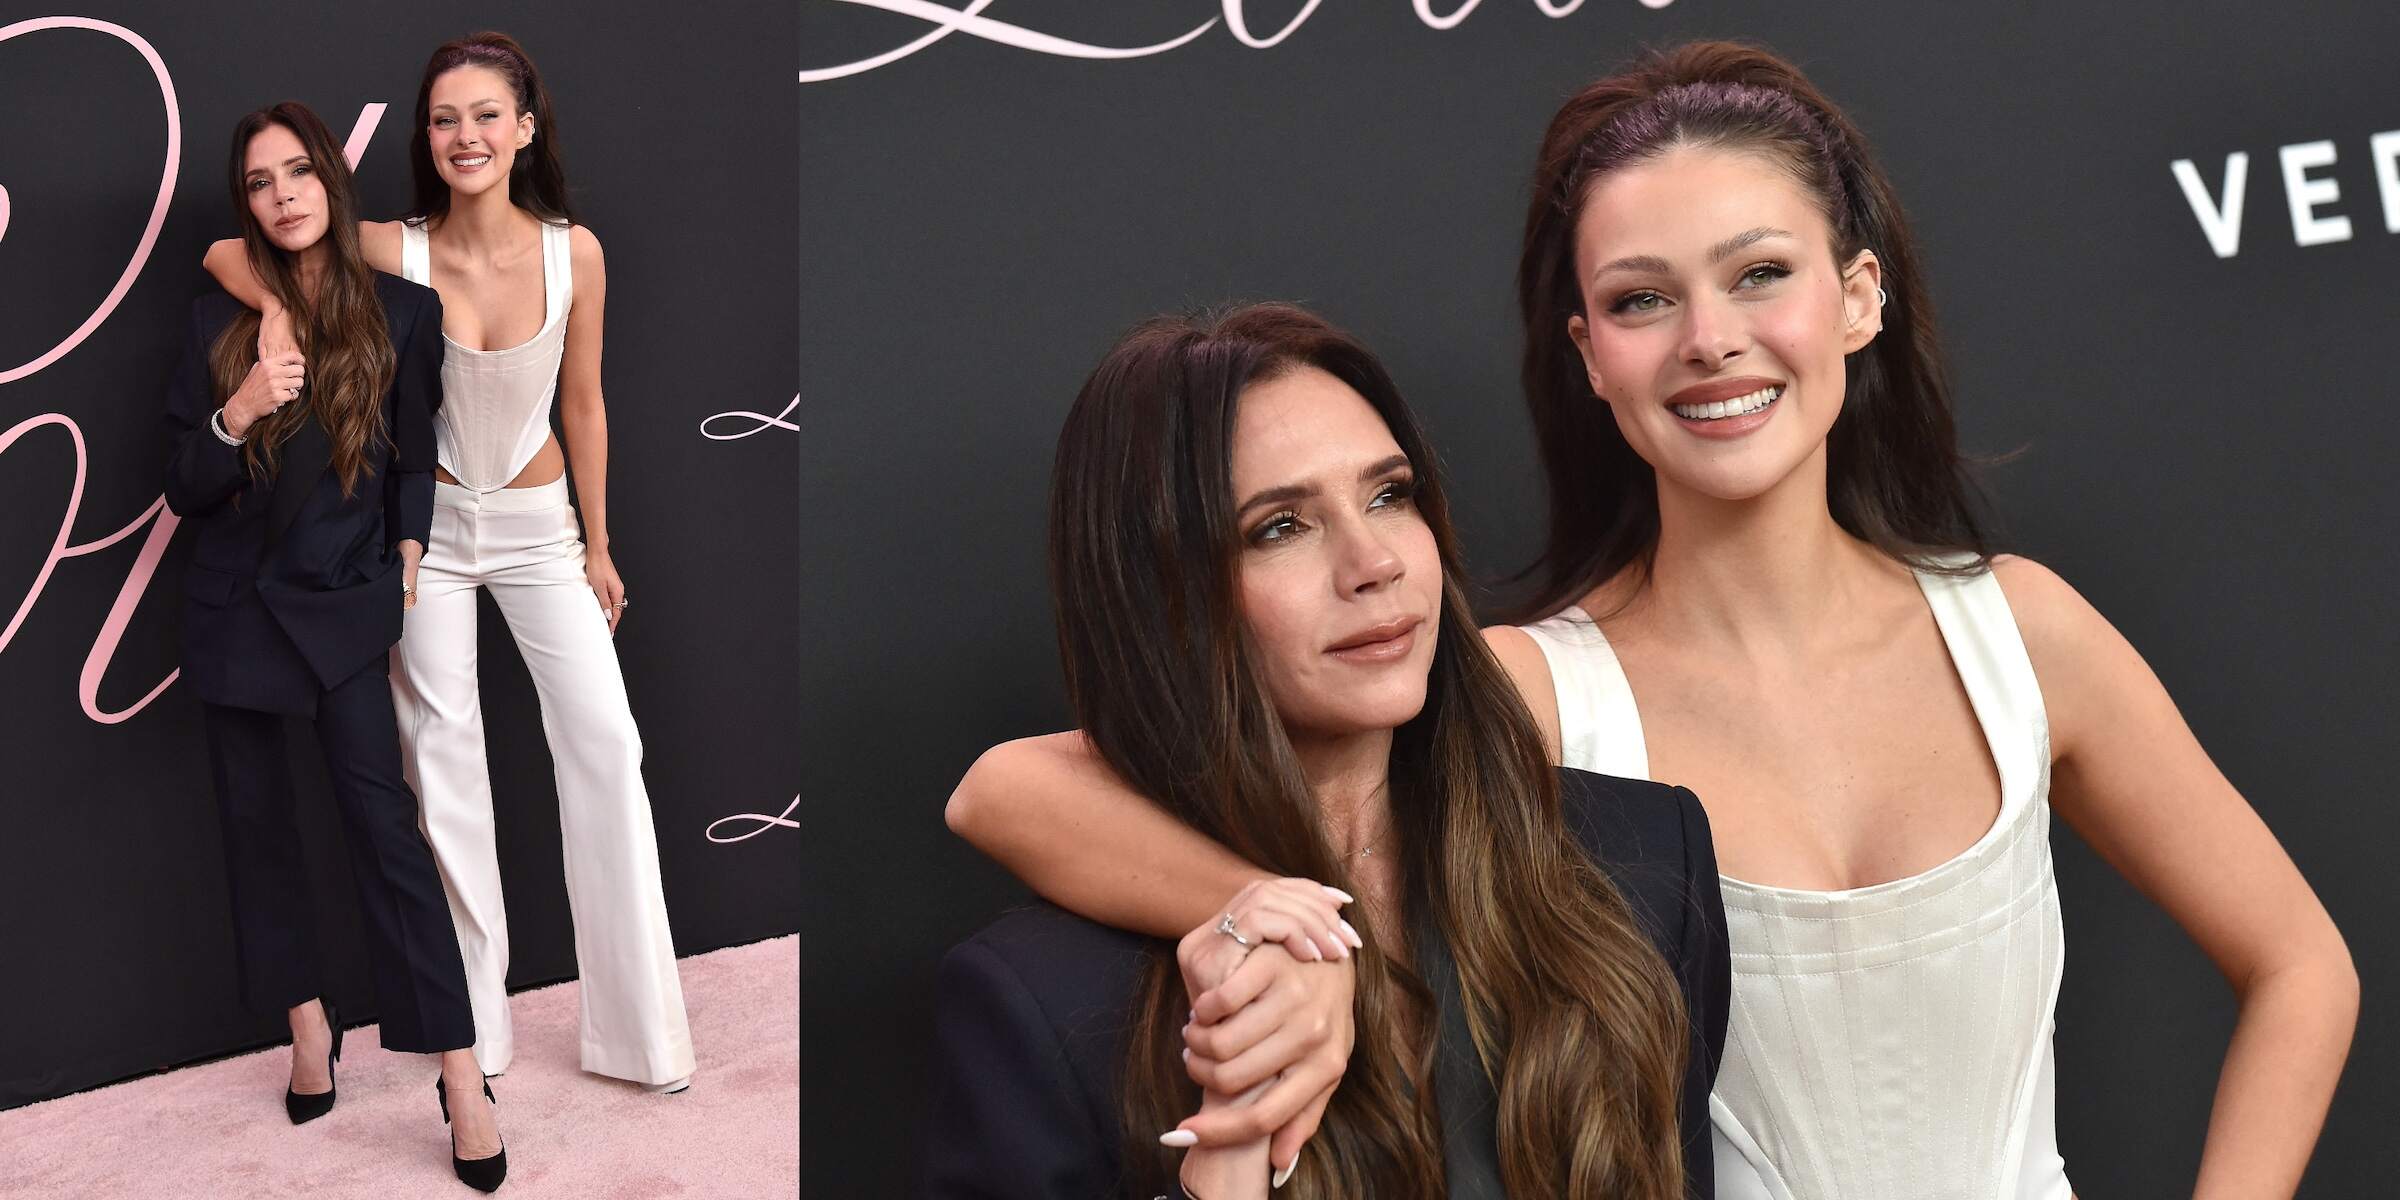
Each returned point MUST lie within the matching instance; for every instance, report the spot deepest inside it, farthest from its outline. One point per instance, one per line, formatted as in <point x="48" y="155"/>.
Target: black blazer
<point x="293" y="588"/>
<point x="1030" y="1020"/>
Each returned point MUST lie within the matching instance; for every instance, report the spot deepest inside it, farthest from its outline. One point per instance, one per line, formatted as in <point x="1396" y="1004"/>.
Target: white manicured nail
<point x="1283" y="1176"/>
<point x="1181" y="1139"/>
<point x="1356" y="942"/>
<point x="1338" y="894"/>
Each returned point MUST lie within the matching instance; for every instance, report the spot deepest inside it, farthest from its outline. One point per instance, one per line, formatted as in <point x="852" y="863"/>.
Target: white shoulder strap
<point x="1989" y="654"/>
<point x="558" y="272"/>
<point x="1599" y="729"/>
<point x="416" y="254"/>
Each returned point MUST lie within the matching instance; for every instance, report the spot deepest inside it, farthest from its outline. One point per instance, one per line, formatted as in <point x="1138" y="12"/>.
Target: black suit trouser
<point x="420" y="982"/>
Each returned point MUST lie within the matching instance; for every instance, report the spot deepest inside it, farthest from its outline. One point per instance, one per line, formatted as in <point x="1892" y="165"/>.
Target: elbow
<point x="581" y="421"/>
<point x="2334" y="993"/>
<point x="997" y="799"/>
<point x="970" y="813"/>
<point x="2336" y="974"/>
<point x="2321" y="979"/>
<point x="2343" y="985"/>
<point x="962" y="812"/>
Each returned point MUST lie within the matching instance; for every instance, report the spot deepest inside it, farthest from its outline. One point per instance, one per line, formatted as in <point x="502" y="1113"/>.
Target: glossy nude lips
<point x="1388" y="639"/>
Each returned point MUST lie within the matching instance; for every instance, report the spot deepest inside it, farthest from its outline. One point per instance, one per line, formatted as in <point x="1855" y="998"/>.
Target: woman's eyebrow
<point x="1289" y="492"/>
<point x="1743" y="241"/>
<point x="1284" y="494"/>
<point x="1653" y="264"/>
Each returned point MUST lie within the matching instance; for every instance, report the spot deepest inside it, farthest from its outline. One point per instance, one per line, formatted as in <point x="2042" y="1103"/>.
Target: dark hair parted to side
<point x="341" y="327"/>
<point x="1895" y="478"/>
<point x="1572" y="1010"/>
<point x="537" y="182"/>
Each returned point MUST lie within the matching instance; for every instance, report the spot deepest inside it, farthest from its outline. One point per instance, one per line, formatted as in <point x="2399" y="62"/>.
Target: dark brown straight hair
<point x="1574" y="1013"/>
<point x="342" y="329"/>
<point x="1895" y="478"/>
<point x="537" y="182"/>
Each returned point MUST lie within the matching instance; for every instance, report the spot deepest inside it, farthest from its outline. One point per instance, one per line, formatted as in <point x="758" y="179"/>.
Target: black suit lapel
<point x="304" y="459"/>
<point x="1468" y="1100"/>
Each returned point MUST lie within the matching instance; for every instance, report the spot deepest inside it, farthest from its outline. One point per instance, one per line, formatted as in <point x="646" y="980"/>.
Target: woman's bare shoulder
<point x="379" y="241"/>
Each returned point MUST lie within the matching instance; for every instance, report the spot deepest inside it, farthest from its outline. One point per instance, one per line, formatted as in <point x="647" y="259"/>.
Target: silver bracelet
<point x="216" y="425"/>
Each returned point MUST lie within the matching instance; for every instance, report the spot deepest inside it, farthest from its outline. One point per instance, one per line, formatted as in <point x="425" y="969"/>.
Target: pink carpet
<point x="217" y="1131"/>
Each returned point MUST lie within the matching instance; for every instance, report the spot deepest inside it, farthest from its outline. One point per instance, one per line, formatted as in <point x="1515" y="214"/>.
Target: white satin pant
<point x="523" y="545"/>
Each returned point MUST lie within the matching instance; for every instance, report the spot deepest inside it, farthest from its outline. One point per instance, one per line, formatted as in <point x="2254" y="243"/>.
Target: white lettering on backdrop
<point x="971" y="21"/>
<point x="2307" y="192"/>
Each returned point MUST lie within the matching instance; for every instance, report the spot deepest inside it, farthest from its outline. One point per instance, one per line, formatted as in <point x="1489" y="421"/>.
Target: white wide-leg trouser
<point x="524" y="545"/>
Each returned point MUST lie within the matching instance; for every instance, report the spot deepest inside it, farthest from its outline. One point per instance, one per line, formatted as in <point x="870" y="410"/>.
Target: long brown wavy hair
<point x="537" y="182"/>
<point x="1895" y="478"/>
<point x="341" y="327"/>
<point x="1573" y="1012"/>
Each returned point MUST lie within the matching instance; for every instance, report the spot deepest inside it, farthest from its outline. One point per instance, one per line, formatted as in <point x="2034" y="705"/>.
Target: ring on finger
<point x="1225" y="926"/>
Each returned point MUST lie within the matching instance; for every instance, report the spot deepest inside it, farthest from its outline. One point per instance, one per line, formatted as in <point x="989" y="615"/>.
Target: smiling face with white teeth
<point x="1716" y="318"/>
<point x="475" y="128"/>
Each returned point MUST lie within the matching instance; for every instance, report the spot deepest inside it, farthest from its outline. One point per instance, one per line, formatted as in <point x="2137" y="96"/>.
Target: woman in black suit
<point x="310" y="484"/>
<point x="1253" y="571"/>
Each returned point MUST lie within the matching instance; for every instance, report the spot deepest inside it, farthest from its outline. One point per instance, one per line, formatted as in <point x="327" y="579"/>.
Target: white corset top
<point x="1888" y="1041"/>
<point x="495" y="411"/>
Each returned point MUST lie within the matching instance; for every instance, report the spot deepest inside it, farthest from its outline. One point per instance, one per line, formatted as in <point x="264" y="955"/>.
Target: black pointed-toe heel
<point x="303" y="1109"/>
<point x="482" y="1174"/>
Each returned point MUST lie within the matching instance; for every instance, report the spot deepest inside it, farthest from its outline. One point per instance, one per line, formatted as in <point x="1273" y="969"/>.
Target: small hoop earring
<point x="1882" y="297"/>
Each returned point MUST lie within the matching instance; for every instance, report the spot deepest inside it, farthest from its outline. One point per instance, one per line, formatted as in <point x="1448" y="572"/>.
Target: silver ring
<point x="1225" y="926"/>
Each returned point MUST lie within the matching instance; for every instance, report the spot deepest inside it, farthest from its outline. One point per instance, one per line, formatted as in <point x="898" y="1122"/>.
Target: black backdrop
<point x="113" y="922"/>
<point x="2205" y="455"/>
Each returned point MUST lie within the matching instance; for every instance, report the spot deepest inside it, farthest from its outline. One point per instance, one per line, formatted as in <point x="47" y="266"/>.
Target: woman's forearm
<point x="1051" y="812"/>
<point x="1228" y="1172"/>
<point x="228" y="261"/>
<point x="2280" y="1070"/>
<point x="585" y="424"/>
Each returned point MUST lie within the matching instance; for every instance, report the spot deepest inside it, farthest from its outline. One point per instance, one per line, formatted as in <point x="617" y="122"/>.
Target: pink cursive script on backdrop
<point x="112" y="629"/>
<point x="758" y="423"/>
<point x="158" y="209"/>
<point x="161" y="523"/>
<point x="763" y="823"/>
<point x="971" y="21"/>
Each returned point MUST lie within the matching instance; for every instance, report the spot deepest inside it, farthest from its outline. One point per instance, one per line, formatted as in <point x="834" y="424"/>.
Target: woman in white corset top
<point x="522" y="288"/>
<point x="1763" y="580"/>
